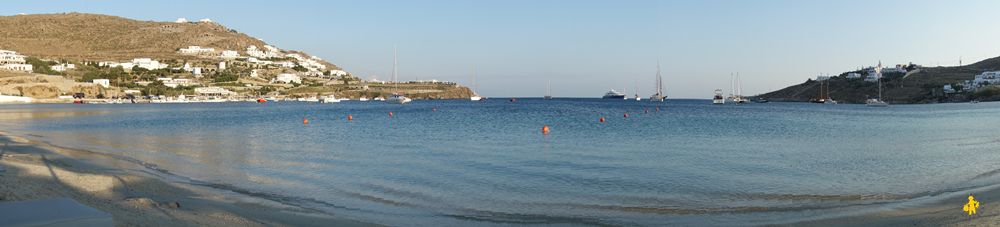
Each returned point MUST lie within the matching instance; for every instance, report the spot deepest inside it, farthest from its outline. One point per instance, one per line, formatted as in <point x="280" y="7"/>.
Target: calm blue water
<point x="486" y="163"/>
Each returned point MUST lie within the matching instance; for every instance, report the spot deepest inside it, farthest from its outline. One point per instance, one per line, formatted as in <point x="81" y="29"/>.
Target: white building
<point x="149" y="64"/>
<point x="229" y="54"/>
<point x="288" y="78"/>
<point x="103" y="82"/>
<point x="989" y="77"/>
<point x="205" y="20"/>
<point x="222" y="65"/>
<point x="253" y="73"/>
<point x="213" y="91"/>
<point x="10" y="60"/>
<point x="181" y="20"/>
<point x="62" y="67"/>
<point x="286" y="64"/>
<point x="196" y="50"/>
<point x="948" y="89"/>
<point x="853" y="75"/>
<point x="196" y="71"/>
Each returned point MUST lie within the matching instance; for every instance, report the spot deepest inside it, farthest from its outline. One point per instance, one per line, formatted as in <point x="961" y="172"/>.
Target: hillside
<point x="923" y="85"/>
<point x="94" y="37"/>
<point x="110" y="48"/>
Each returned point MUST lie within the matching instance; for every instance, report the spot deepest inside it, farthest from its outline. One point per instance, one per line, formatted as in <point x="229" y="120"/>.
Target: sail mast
<point x="395" y="72"/>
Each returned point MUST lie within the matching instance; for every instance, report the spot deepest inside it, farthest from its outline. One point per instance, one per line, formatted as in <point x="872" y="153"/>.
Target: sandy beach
<point x="135" y="195"/>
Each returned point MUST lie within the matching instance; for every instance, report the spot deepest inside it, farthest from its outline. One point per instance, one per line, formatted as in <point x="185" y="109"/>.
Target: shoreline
<point x="134" y="194"/>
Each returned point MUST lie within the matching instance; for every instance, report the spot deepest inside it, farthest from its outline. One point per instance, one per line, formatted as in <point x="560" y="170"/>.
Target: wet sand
<point x="135" y="195"/>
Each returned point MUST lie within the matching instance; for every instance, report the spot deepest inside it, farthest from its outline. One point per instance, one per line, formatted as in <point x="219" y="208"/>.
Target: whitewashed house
<point x="196" y="50"/>
<point x="213" y="91"/>
<point x="853" y="75"/>
<point x="181" y="20"/>
<point x="229" y="54"/>
<point x="288" y="78"/>
<point x="222" y="65"/>
<point x="11" y="61"/>
<point x="286" y="64"/>
<point x="62" y="67"/>
<point x="948" y="89"/>
<point x="149" y="64"/>
<point x="103" y="82"/>
<point x="205" y="20"/>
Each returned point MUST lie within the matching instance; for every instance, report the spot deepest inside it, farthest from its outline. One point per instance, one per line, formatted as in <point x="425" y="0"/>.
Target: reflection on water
<point x="475" y="163"/>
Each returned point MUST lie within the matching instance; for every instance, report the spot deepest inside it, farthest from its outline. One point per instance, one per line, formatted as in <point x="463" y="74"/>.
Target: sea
<point x="464" y="163"/>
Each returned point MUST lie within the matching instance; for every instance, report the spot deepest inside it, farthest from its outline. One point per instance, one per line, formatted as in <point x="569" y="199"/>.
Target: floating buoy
<point x="647" y="110"/>
<point x="261" y="100"/>
<point x="350" y="117"/>
<point x="626" y="115"/>
<point x="601" y="120"/>
<point x="545" y="130"/>
<point x="435" y="109"/>
<point x="305" y="121"/>
<point x="390" y="113"/>
<point x="513" y="100"/>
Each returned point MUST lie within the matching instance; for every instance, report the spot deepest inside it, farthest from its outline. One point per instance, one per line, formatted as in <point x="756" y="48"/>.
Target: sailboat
<point x="475" y="84"/>
<point x="658" y="97"/>
<point x="548" y="90"/>
<point x="637" y="92"/>
<point x="396" y="97"/>
<point x="737" y="86"/>
<point x="877" y="102"/>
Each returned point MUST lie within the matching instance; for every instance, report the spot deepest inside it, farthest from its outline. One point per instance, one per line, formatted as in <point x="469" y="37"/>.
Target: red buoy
<point x="390" y="113"/>
<point x="626" y="115"/>
<point x="305" y="121"/>
<point x="261" y="100"/>
<point x="350" y="118"/>
<point x="545" y="130"/>
<point x="601" y="120"/>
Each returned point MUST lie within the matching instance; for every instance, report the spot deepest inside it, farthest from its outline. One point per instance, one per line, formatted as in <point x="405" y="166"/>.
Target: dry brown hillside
<point x="79" y="36"/>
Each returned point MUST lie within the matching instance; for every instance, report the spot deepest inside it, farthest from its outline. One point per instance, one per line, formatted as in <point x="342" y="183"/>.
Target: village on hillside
<point x="209" y="75"/>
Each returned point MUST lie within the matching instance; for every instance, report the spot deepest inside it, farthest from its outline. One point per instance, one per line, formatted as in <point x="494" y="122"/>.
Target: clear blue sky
<point x="587" y="47"/>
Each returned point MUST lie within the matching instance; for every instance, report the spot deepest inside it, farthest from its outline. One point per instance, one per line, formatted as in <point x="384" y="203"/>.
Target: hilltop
<point x="175" y="58"/>
<point x="918" y="85"/>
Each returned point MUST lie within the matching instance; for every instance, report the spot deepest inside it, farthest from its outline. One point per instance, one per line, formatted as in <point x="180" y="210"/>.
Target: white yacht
<point x="378" y="99"/>
<point x="329" y="99"/>
<point x="475" y="85"/>
<point x="311" y="99"/>
<point x="363" y="99"/>
<point x="397" y="98"/>
<point x="718" y="99"/>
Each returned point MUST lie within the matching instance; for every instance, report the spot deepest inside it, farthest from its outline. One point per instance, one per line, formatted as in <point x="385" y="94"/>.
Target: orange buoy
<point x="350" y="117"/>
<point x="545" y="130"/>
<point x="601" y="120"/>
<point x="626" y="115"/>
<point x="390" y="113"/>
<point x="305" y="121"/>
<point x="261" y="100"/>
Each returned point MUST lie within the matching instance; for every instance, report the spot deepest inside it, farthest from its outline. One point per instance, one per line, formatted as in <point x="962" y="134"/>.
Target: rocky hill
<point x="921" y="85"/>
<point x="94" y="37"/>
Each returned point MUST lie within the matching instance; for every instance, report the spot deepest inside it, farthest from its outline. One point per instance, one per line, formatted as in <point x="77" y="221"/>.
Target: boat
<point x="396" y="97"/>
<point x="548" y="90"/>
<point x="737" y="86"/>
<point x="761" y="100"/>
<point x="612" y="94"/>
<point x="311" y="99"/>
<point x="877" y="102"/>
<point x="363" y="99"/>
<point x="718" y="99"/>
<point x="637" y="92"/>
<point x="380" y="98"/>
<point x="823" y="94"/>
<point x="659" y="96"/>
<point x="330" y="99"/>
<point x="475" y="85"/>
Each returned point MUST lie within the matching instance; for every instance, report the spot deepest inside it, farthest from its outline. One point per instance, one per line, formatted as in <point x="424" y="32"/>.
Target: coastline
<point x="135" y="195"/>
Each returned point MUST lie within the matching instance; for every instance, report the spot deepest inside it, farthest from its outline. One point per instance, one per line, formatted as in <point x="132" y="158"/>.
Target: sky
<point x="586" y="47"/>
